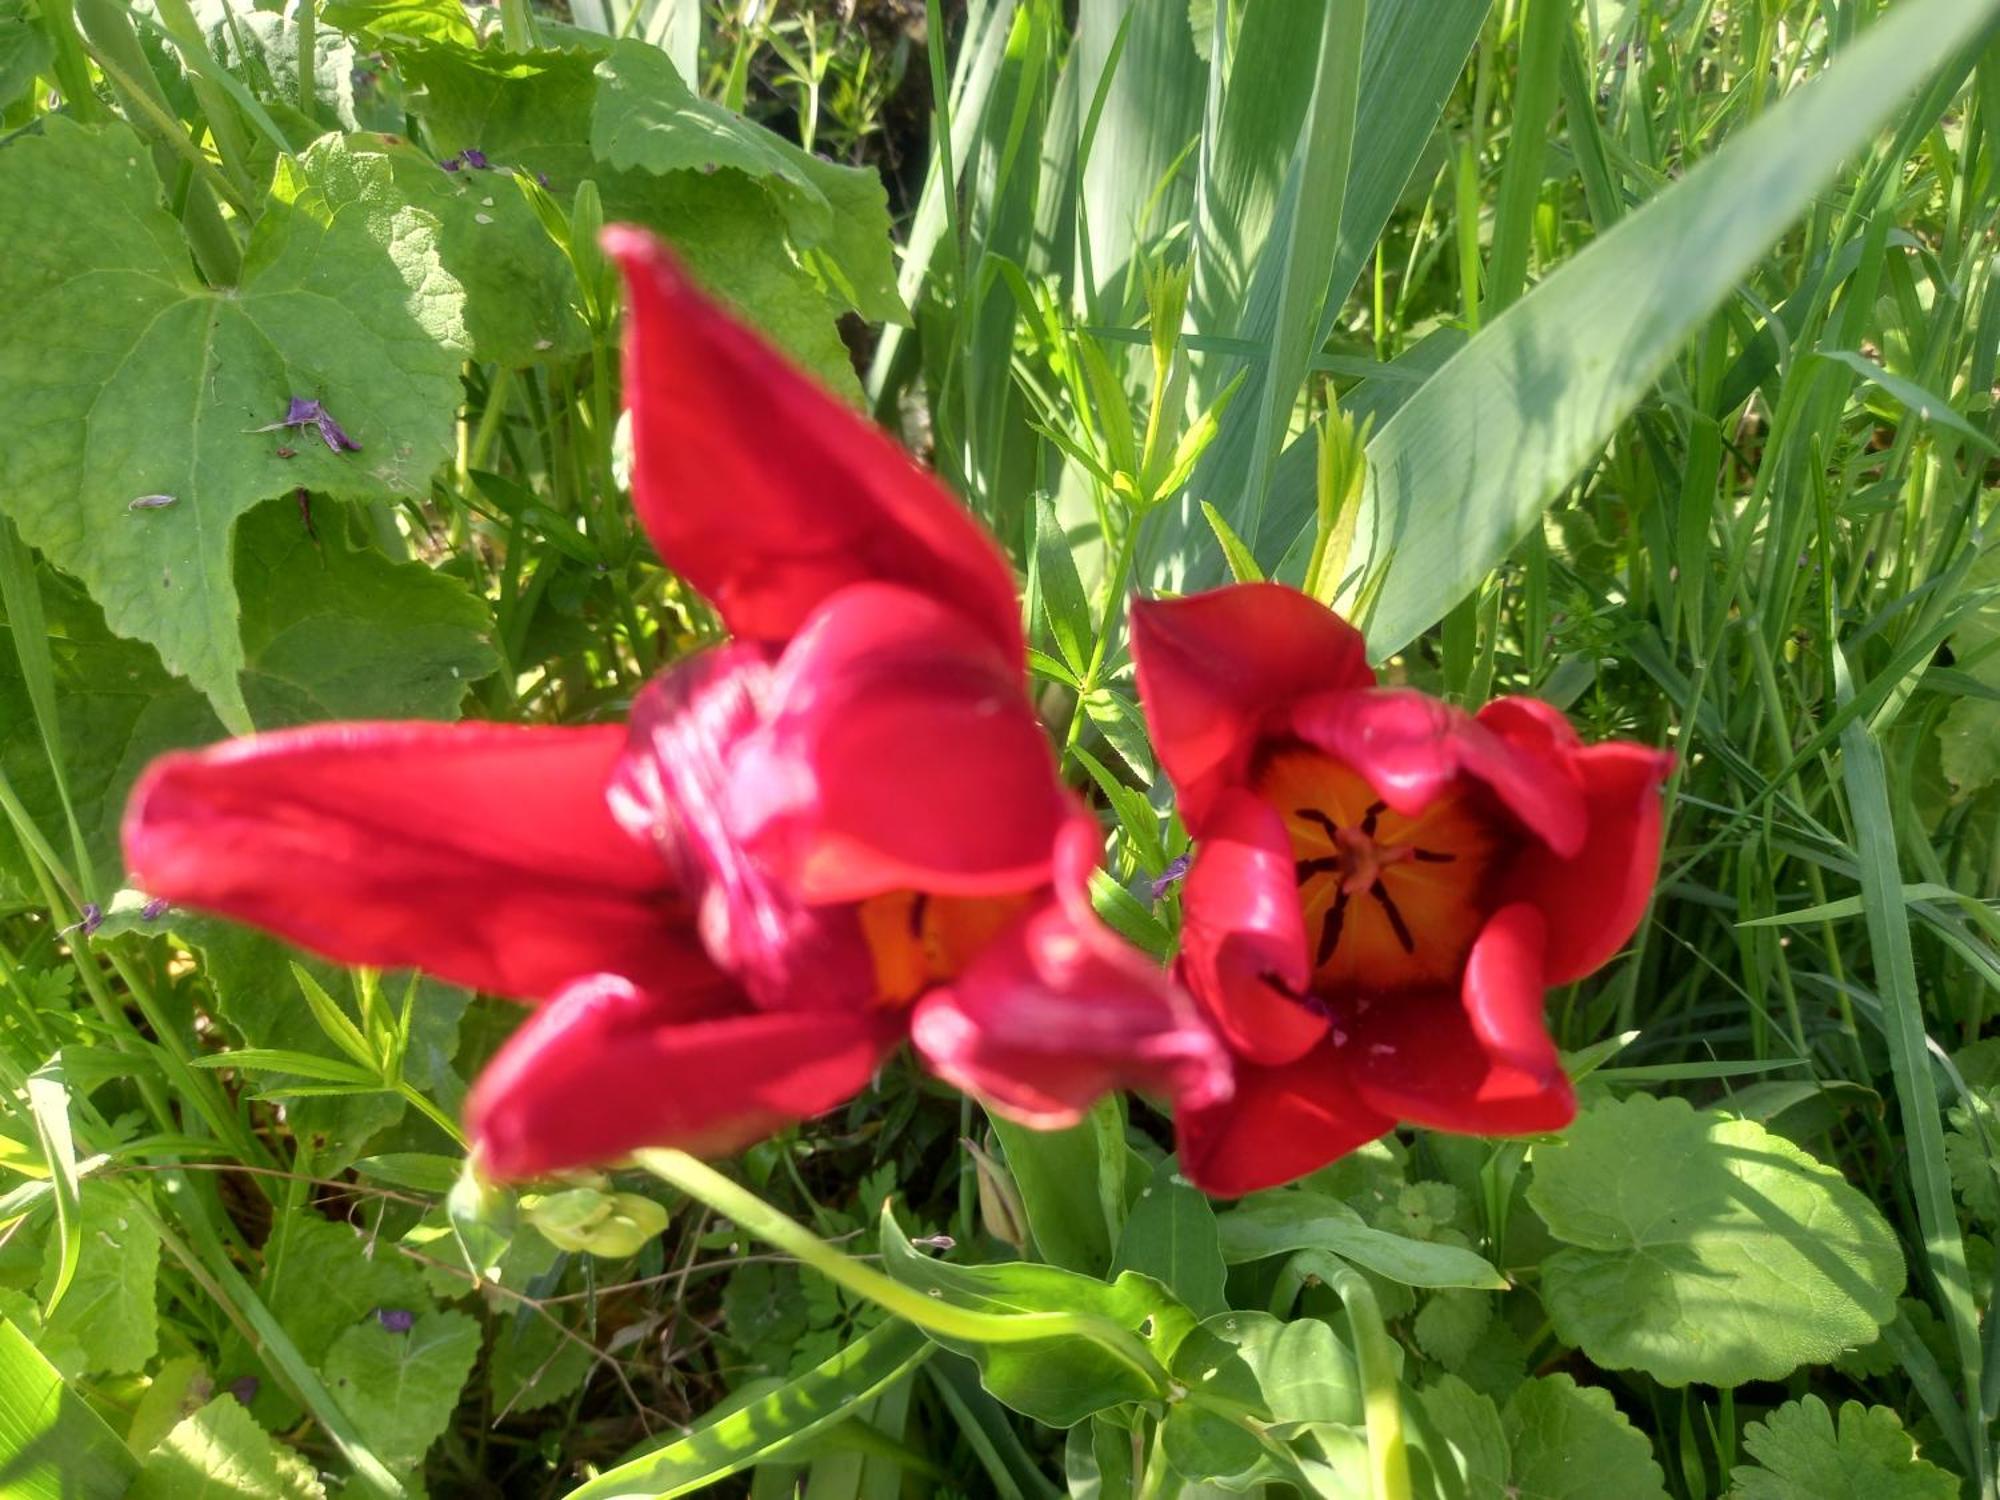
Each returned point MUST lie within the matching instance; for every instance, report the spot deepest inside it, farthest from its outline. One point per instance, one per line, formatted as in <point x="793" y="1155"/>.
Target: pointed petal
<point x="1412" y="747"/>
<point x="765" y="492"/>
<point x="482" y="853"/>
<point x="1243" y="940"/>
<point x="607" y="1069"/>
<point x="1479" y="1062"/>
<point x="1214" y="668"/>
<point x="1282" y="1123"/>
<point x="898" y="753"/>
<point x="1593" y="900"/>
<point x="1058" y="1011"/>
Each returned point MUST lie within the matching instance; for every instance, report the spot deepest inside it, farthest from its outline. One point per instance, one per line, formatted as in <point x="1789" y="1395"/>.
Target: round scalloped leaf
<point x="1705" y="1248"/>
<point x="1571" y="1442"/>
<point x="1801" y="1455"/>
<point x="145" y="385"/>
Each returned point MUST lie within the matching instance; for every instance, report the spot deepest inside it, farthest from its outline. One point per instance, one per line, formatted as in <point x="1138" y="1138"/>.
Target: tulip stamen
<point x="1330" y="929"/>
<point x="1390" y="910"/>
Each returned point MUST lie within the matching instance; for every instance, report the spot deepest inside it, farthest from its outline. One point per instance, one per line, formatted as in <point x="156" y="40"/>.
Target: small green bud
<point x="610" y="1225"/>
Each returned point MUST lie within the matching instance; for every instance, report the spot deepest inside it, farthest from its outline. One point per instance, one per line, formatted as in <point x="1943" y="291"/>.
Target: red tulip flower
<point x="1383" y="886"/>
<point x="841" y="828"/>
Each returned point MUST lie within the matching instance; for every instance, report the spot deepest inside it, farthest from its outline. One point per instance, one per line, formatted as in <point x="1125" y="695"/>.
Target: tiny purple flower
<point x="244" y="1388"/>
<point x="474" y="157"/>
<point x="396" y="1319"/>
<point x="1170" y="876"/>
<point x="153" y="910"/>
<point x="92" y="919"/>
<point x="451" y="164"/>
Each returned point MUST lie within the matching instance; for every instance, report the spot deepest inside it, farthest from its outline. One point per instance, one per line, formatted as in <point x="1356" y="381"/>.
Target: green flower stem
<point x="706" y="1185"/>
<point x="1381" y="1394"/>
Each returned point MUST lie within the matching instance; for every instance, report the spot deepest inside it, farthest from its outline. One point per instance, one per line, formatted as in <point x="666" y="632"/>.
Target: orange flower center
<point x="918" y="940"/>
<point x="1390" y="902"/>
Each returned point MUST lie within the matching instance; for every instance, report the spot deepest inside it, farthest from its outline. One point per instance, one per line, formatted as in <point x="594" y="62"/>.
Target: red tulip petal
<point x="1411" y="747"/>
<point x="1479" y="1062"/>
<point x="607" y="1069"/>
<point x="1057" y="1012"/>
<point x="1594" y="900"/>
<point x="898" y="753"/>
<point x="1214" y="667"/>
<point x="1282" y="1123"/>
<point x="767" y="493"/>
<point x="482" y="853"/>
<point x="1243" y="941"/>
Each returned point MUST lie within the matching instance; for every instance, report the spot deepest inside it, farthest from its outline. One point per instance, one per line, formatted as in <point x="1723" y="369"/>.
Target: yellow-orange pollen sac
<point x="917" y="940"/>
<point x="1390" y="902"/>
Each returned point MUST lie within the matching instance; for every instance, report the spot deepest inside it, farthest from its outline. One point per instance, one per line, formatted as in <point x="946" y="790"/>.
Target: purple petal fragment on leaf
<point x="153" y="910"/>
<point x="244" y="1388"/>
<point x="450" y="163"/>
<point x="474" y="157"/>
<point x="91" y="920"/>
<point x="1173" y="872"/>
<point x="305" y="412"/>
<point x="396" y="1319"/>
<point x="329" y="429"/>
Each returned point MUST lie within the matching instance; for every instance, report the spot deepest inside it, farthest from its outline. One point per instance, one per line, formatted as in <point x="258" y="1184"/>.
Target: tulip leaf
<point x="401" y="1388"/>
<point x="1571" y="1442"/>
<point x="1801" y="1455"/>
<point x="1286" y="1222"/>
<point x="1057" y="1174"/>
<point x="52" y="1445"/>
<point x="1705" y="1248"/>
<point x="1171" y="1236"/>
<point x="738" y="1436"/>
<point x="154" y="388"/>
<point x="220" y="1450"/>
<point x="1058" y="1380"/>
<point x="1464" y="467"/>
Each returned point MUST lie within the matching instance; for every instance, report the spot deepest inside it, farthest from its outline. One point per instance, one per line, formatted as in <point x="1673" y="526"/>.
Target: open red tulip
<point x="841" y="828"/>
<point x="1383" y="886"/>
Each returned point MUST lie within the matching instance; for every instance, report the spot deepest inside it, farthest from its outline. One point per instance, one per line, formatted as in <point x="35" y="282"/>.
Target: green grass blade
<point x="1544" y="385"/>
<point x="52" y="1445"/>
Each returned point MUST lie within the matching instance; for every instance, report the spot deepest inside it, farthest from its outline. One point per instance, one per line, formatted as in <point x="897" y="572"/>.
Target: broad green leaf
<point x="1801" y="1456"/>
<point x="1469" y="1423"/>
<point x="531" y="1363"/>
<point x="1975" y="1165"/>
<point x="24" y="51"/>
<point x="345" y="306"/>
<point x="323" y="1279"/>
<point x="1057" y="1172"/>
<point x="174" y="1392"/>
<point x="220" y="1453"/>
<point x="1251" y="1364"/>
<point x="1170" y="1235"/>
<point x="52" y="1445"/>
<point x="761" y="1429"/>
<point x="262" y="48"/>
<point x="1284" y="1222"/>
<point x="1061" y="1380"/>
<point x="401" y="1388"/>
<point x="332" y="630"/>
<point x="392" y="20"/>
<point x="520" y="289"/>
<point x="1706" y="1248"/>
<point x="1449" y="1324"/>
<point x="532" y="112"/>
<point x="108" y="1315"/>
<point x="416" y="1171"/>
<point x="1571" y="1442"/>
<point x="1464" y="467"/>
